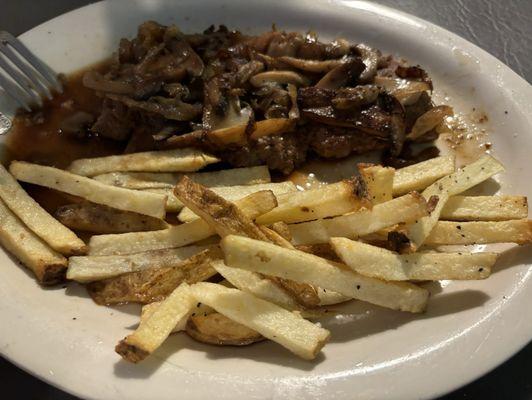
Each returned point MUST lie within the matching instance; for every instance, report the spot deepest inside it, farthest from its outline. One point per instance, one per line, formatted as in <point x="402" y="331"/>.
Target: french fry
<point x="97" y="218"/>
<point x="154" y="330"/>
<point x="480" y="232"/>
<point x="273" y="322"/>
<point x="379" y="182"/>
<point x="256" y="284"/>
<point x="219" y="330"/>
<point x="485" y="208"/>
<point x="154" y="284"/>
<point x="233" y="193"/>
<point x="226" y="219"/>
<point x="266" y="258"/>
<point x="448" y="186"/>
<point x="383" y="264"/>
<point x="199" y="309"/>
<point x="159" y="180"/>
<point x="407" y="208"/>
<point x="123" y="199"/>
<point x="58" y="236"/>
<point x="179" y="160"/>
<point x="328" y="201"/>
<point x="173" y="205"/>
<point x="48" y="266"/>
<point x="93" y="268"/>
<point x="419" y="176"/>
<point x="252" y="205"/>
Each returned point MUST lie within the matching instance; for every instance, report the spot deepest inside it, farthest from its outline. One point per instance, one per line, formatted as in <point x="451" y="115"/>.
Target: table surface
<point x="503" y="28"/>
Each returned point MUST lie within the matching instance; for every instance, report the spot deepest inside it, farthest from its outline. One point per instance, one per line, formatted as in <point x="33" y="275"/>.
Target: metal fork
<point x="23" y="77"/>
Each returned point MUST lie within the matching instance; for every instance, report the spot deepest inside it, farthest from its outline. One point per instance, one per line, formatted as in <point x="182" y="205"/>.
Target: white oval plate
<point x="470" y="327"/>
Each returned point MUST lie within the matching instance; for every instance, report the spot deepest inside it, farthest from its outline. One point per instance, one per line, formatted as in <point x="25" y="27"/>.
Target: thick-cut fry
<point x="273" y="322"/>
<point x="252" y="205"/>
<point x="153" y="331"/>
<point x="256" y="284"/>
<point x="480" y="232"/>
<point x="379" y="182"/>
<point x="257" y="256"/>
<point x="448" y="186"/>
<point x="384" y="264"/>
<point x="485" y="208"/>
<point x="97" y="218"/>
<point x="150" y="161"/>
<point x="58" y="236"/>
<point x="63" y="181"/>
<point x="217" y="329"/>
<point x="173" y="205"/>
<point x="154" y="284"/>
<point x="151" y="180"/>
<point x="419" y="176"/>
<point x="227" y="219"/>
<point x="94" y="268"/>
<point x="328" y="201"/>
<point x="199" y="309"/>
<point x="407" y="208"/>
<point x="233" y="193"/>
<point x="48" y="266"/>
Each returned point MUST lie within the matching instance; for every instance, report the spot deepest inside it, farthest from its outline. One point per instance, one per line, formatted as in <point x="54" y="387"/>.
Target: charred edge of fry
<point x="52" y="274"/>
<point x="226" y="214"/>
<point x="217" y="329"/>
<point x="361" y="191"/>
<point x="432" y="202"/>
<point x="398" y="242"/>
<point x="130" y="351"/>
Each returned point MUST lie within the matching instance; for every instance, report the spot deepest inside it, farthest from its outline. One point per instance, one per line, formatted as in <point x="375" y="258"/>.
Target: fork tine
<point x="21" y="81"/>
<point x="32" y="78"/>
<point x="15" y="92"/>
<point x="39" y="66"/>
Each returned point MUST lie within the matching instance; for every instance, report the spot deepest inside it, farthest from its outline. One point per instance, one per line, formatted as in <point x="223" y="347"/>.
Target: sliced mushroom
<point x="430" y="120"/>
<point x="246" y="71"/>
<point x="414" y="72"/>
<point x="294" y="109"/>
<point x="355" y="97"/>
<point x="219" y="330"/>
<point x="282" y="77"/>
<point x="315" y="66"/>
<point x="96" y="81"/>
<point x="370" y="57"/>
<point x="169" y="108"/>
<point x="341" y="75"/>
<point x="407" y="92"/>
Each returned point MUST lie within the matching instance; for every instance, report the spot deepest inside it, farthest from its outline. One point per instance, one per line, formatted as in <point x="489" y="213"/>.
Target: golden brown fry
<point x="219" y="330"/>
<point x="226" y="219"/>
<point x="154" y="284"/>
<point x="48" y="266"/>
<point x="97" y="218"/>
<point x="378" y="180"/>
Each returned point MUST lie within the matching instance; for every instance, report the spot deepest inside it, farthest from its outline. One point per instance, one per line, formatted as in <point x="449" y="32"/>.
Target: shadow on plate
<point x="517" y="255"/>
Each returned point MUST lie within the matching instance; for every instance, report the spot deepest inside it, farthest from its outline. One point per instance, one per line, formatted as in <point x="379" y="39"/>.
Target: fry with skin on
<point x="273" y="322"/>
<point x="93" y="268"/>
<point x="226" y="218"/>
<point x="123" y="199"/>
<point x="97" y="218"/>
<point x="176" y="236"/>
<point x="150" y="161"/>
<point x="266" y="258"/>
<point x="233" y="193"/>
<point x="219" y="330"/>
<point x="384" y="264"/>
<point x="153" y="331"/>
<point x="56" y="235"/>
<point x="48" y="265"/>
<point x="154" y="284"/>
<point x="156" y="180"/>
